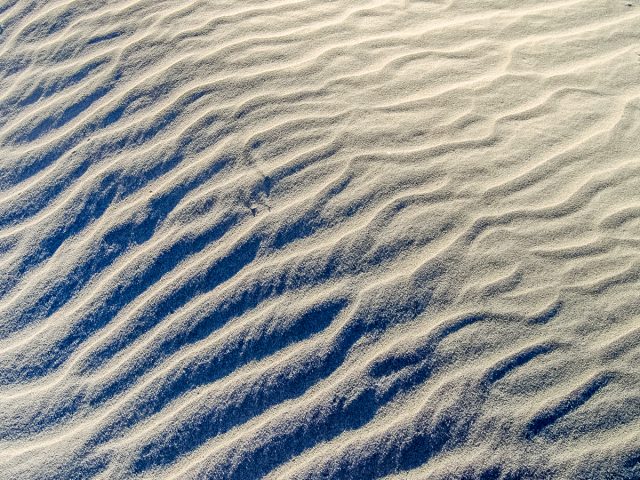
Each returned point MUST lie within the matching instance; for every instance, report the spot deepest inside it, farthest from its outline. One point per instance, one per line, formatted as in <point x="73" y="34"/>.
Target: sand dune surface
<point x="319" y="239"/>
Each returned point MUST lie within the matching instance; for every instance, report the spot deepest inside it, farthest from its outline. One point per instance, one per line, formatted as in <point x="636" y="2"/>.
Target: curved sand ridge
<point x="347" y="239"/>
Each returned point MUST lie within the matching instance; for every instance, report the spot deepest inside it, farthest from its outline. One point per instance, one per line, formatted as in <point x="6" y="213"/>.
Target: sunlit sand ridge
<point x="333" y="240"/>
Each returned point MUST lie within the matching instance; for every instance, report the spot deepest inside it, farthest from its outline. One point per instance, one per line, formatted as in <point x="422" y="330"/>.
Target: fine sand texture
<point x="350" y="239"/>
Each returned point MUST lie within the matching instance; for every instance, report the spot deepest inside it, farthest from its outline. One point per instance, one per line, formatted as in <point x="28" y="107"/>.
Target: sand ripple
<point x="347" y="239"/>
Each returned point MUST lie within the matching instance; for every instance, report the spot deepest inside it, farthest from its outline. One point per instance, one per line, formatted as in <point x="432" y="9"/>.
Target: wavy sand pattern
<point x="304" y="240"/>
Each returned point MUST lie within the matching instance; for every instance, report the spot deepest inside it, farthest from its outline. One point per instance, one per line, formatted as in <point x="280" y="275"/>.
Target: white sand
<point x="346" y="239"/>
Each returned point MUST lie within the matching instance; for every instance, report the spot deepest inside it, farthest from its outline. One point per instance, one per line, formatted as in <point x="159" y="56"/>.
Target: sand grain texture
<point x="319" y="240"/>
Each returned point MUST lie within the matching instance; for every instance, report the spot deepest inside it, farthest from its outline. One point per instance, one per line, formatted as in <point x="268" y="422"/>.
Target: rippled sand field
<point x="319" y="239"/>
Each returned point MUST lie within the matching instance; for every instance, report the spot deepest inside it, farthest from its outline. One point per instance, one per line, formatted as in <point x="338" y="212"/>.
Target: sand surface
<point x="319" y="239"/>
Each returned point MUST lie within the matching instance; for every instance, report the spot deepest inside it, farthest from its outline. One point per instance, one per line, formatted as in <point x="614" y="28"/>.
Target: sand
<point x="319" y="240"/>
